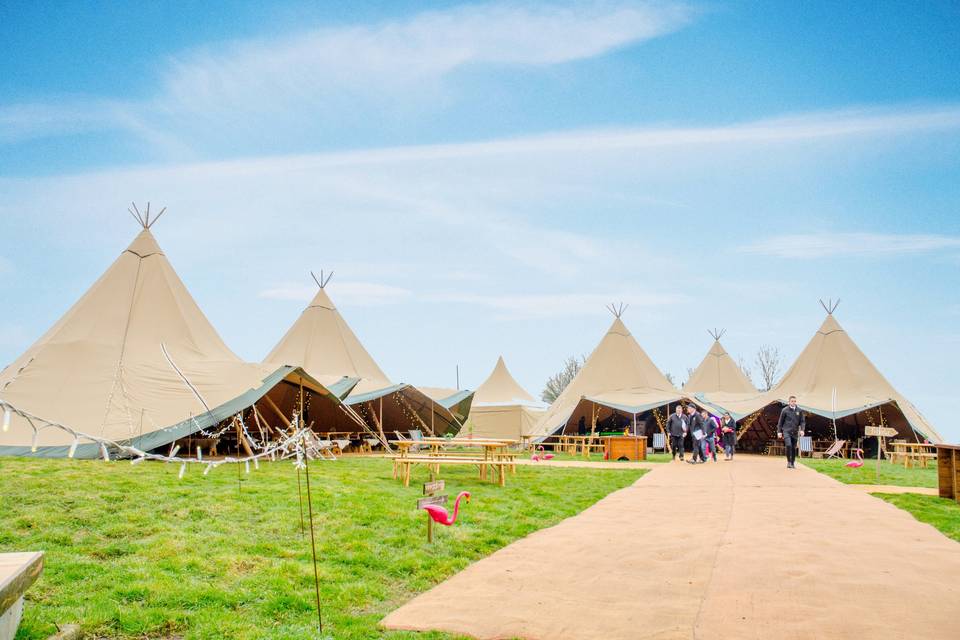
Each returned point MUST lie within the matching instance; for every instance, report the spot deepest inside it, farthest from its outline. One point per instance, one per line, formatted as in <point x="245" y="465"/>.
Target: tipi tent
<point x="502" y="408"/>
<point x="837" y="384"/>
<point x="322" y="343"/>
<point x="136" y="362"/>
<point x="617" y="384"/>
<point x="717" y="372"/>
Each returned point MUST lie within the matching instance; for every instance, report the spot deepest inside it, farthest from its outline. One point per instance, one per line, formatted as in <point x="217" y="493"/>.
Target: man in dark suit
<point x="694" y="424"/>
<point x="790" y="427"/>
<point x="677" y="429"/>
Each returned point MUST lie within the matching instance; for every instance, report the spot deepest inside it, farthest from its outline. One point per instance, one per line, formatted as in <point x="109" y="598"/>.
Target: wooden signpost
<point x="430" y="489"/>
<point x="879" y="432"/>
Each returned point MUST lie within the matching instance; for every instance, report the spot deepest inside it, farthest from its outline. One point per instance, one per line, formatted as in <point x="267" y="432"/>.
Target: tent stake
<point x="313" y="544"/>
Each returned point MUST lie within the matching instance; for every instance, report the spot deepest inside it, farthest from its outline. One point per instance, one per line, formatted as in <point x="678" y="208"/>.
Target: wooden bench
<point x="17" y="572"/>
<point x="404" y="465"/>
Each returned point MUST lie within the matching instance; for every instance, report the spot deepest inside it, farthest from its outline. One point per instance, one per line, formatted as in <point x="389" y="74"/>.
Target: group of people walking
<point x="705" y="432"/>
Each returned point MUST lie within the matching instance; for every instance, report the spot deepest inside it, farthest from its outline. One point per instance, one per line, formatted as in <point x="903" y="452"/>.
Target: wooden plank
<point x="430" y="488"/>
<point x="886" y="432"/>
<point x="438" y="500"/>
<point x="17" y="572"/>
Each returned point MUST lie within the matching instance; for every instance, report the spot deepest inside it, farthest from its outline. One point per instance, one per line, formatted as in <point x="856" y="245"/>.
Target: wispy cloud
<point x="301" y="78"/>
<point x="540" y="305"/>
<point x="356" y="294"/>
<point x="823" y="245"/>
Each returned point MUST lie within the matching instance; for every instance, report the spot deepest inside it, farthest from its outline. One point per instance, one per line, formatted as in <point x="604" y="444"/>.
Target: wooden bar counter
<point x="629" y="447"/>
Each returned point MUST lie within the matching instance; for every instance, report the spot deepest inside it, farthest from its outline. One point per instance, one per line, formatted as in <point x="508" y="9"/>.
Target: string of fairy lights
<point x="300" y="442"/>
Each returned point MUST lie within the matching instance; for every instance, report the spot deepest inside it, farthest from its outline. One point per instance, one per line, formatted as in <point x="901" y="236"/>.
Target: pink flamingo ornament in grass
<point x="853" y="464"/>
<point x="541" y="455"/>
<point x="441" y="515"/>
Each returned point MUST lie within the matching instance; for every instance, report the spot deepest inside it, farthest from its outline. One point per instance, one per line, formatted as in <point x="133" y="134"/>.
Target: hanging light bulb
<point x="256" y="463"/>
<point x="183" y="469"/>
<point x="199" y="452"/>
<point x="33" y="444"/>
<point x="207" y="470"/>
<point x="73" y="447"/>
<point x="7" y="415"/>
<point x="104" y="452"/>
<point x="174" y="452"/>
<point x="247" y="464"/>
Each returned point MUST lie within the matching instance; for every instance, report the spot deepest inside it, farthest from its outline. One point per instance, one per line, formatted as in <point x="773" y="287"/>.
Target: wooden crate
<point x="629" y="447"/>
<point x="948" y="471"/>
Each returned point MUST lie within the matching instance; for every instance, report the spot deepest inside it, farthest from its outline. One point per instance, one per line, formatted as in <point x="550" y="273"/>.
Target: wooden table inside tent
<point x="582" y="445"/>
<point x="912" y="452"/>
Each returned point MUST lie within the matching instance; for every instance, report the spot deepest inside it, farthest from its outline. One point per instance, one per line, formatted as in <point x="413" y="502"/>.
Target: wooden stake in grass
<point x="313" y="544"/>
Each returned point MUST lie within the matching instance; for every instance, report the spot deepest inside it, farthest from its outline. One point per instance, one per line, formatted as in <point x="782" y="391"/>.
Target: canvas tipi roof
<point x="501" y="388"/>
<point x="322" y="342"/>
<point x="833" y="361"/>
<point x="617" y="374"/>
<point x="717" y="372"/>
<point x="134" y="361"/>
<point x="832" y="378"/>
<point x="502" y="408"/>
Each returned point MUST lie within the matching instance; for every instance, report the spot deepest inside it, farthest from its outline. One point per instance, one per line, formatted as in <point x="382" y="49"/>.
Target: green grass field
<point x="941" y="513"/>
<point x="892" y="474"/>
<point x="133" y="552"/>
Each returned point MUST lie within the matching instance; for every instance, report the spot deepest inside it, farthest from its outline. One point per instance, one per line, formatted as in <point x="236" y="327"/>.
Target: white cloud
<point x="266" y="83"/>
<point x="812" y="246"/>
<point x="355" y="294"/>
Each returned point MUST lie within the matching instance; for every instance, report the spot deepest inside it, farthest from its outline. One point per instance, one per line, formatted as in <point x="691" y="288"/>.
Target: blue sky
<point x="483" y="178"/>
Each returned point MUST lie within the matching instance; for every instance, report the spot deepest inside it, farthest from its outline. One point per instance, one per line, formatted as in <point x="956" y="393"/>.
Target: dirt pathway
<point x="746" y="549"/>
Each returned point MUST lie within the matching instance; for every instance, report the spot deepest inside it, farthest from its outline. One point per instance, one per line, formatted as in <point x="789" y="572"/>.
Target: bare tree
<point x="745" y="368"/>
<point x="689" y="375"/>
<point x="669" y="377"/>
<point x="769" y="361"/>
<point x="559" y="381"/>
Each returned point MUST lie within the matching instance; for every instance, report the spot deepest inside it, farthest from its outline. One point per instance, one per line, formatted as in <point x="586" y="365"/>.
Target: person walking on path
<point x="790" y="427"/>
<point x="695" y="426"/>
<point x="710" y="435"/>
<point x="677" y="429"/>
<point x="728" y="428"/>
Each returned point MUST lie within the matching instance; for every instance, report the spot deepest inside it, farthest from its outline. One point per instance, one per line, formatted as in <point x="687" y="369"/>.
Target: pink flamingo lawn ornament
<point x="853" y="464"/>
<point x="541" y="455"/>
<point x="441" y="515"/>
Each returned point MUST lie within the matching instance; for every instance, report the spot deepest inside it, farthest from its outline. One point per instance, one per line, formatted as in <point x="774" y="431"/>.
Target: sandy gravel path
<point x="746" y="549"/>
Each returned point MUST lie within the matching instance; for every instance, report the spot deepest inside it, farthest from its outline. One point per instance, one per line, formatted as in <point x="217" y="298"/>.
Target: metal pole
<point x="313" y="544"/>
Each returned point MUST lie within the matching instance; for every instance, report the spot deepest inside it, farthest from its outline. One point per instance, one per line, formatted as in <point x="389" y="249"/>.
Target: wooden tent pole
<point x="383" y="438"/>
<point x="276" y="410"/>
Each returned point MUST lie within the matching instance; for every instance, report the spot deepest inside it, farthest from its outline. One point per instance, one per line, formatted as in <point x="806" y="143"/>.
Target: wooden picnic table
<point x="496" y="455"/>
<point x="911" y="452"/>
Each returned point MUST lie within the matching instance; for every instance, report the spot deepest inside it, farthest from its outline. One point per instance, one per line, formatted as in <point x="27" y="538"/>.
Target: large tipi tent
<point x="618" y="382"/>
<point x="718" y="373"/>
<point x="322" y="343"/>
<point x="502" y="408"/>
<point x="135" y="362"/>
<point x="835" y="383"/>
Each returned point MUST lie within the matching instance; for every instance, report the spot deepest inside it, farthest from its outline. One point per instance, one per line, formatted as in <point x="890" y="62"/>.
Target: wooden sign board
<point x="430" y="488"/>
<point x="438" y="500"/>
<point x="885" y="432"/>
